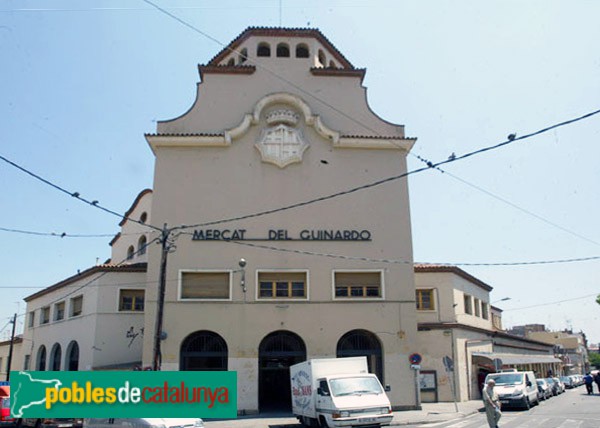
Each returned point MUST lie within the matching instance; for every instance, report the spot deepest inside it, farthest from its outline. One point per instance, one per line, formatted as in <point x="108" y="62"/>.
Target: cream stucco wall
<point x="100" y="331"/>
<point x="193" y="185"/>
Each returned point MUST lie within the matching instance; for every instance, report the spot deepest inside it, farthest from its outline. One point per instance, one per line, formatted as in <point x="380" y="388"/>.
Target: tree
<point x="598" y="299"/>
<point x="594" y="359"/>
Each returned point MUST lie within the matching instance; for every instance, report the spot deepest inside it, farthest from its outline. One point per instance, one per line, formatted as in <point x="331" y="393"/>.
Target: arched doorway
<point x="55" y="357"/>
<point x="203" y="350"/>
<point x="358" y="343"/>
<point x="41" y="359"/>
<point x="72" y="360"/>
<point x="276" y="353"/>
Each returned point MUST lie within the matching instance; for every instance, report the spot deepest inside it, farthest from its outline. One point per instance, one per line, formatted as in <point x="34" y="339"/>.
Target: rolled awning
<point x="513" y="359"/>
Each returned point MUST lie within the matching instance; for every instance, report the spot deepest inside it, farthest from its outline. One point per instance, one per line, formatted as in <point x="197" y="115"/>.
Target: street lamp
<point x="502" y="300"/>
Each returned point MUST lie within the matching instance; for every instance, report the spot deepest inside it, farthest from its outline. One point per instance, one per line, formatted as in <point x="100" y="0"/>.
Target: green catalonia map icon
<point x="28" y="393"/>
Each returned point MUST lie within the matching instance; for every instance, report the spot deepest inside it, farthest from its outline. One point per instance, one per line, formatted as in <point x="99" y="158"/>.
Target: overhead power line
<point x="76" y="195"/>
<point x="430" y="165"/>
<point x="54" y="234"/>
<point x="404" y="262"/>
<point x="552" y="303"/>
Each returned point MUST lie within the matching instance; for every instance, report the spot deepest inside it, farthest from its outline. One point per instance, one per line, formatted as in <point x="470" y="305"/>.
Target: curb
<point x="421" y="420"/>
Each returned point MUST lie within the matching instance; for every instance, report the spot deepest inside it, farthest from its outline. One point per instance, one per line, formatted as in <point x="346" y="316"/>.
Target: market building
<point x="281" y="119"/>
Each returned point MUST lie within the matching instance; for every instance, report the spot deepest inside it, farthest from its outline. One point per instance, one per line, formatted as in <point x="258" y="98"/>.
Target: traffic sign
<point x="415" y="358"/>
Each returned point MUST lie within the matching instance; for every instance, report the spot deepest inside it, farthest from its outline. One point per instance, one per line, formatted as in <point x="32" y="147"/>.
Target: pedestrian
<point x="589" y="382"/>
<point x="597" y="380"/>
<point x="492" y="404"/>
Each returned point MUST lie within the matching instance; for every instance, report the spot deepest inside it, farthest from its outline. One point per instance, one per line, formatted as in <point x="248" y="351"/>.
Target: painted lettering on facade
<point x="283" y="235"/>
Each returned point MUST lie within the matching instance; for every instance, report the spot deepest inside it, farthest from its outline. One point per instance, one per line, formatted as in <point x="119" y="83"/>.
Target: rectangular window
<point x="59" y="311"/>
<point x="477" y="307"/>
<point x="45" y="315"/>
<point x="205" y="285"/>
<point x="1" y="364"/>
<point x="468" y="304"/>
<point x="76" y="306"/>
<point x="31" y="321"/>
<point x="26" y="362"/>
<point x="425" y="300"/>
<point x="131" y="300"/>
<point x="357" y="284"/>
<point x="282" y="285"/>
<point x="484" y="311"/>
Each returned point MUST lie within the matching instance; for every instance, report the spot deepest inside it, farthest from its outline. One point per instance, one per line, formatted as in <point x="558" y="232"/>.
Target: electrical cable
<point x="75" y="195"/>
<point x="551" y="303"/>
<point x="392" y="261"/>
<point x="430" y="165"/>
<point x="64" y="234"/>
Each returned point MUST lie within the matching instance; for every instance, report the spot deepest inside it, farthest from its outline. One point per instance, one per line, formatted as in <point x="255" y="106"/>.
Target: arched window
<point x="41" y="359"/>
<point x="243" y="56"/>
<point x="142" y="245"/>
<point x="72" y="361"/>
<point x="302" y="51"/>
<point x="231" y="62"/>
<point x="263" y="49"/>
<point x="357" y="343"/>
<point x="130" y="252"/>
<point x="332" y="64"/>
<point x="321" y="58"/>
<point x="55" y="357"/>
<point x="144" y="217"/>
<point x="203" y="350"/>
<point x="283" y="50"/>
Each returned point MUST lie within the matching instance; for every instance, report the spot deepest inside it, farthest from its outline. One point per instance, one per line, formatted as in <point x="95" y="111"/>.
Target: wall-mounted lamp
<point x="242" y="264"/>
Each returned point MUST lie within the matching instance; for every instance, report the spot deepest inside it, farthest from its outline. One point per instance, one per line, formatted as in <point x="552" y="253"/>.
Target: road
<point x="573" y="409"/>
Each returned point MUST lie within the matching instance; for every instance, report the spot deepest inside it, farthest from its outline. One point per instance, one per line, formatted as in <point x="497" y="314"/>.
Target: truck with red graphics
<point x="338" y="392"/>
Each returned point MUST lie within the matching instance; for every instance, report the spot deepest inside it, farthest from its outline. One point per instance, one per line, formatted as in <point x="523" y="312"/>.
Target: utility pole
<point x="157" y="356"/>
<point x="10" y="349"/>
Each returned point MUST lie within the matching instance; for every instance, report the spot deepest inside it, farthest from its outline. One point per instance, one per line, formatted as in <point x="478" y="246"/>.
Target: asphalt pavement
<point x="429" y="413"/>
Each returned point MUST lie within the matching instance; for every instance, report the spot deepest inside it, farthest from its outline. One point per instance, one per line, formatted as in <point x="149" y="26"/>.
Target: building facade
<point x="93" y="320"/>
<point x="281" y="119"/>
<point x="460" y="336"/>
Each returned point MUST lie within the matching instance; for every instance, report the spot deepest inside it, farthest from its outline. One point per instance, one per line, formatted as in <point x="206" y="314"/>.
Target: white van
<point x="515" y="389"/>
<point x="143" y="423"/>
<point x="338" y="392"/>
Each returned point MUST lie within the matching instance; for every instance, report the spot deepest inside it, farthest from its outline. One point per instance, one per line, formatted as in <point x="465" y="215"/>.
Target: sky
<point x="81" y="82"/>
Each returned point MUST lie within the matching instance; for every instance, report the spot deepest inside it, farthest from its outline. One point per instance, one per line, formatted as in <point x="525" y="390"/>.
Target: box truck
<point x="338" y="392"/>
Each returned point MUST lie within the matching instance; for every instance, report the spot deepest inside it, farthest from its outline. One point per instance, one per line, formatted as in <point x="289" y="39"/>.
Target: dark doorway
<point x="358" y="343"/>
<point x="276" y="353"/>
<point x="203" y="350"/>
<point x="72" y="361"/>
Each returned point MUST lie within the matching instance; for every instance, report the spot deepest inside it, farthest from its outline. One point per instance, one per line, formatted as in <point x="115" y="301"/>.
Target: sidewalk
<point x="430" y="413"/>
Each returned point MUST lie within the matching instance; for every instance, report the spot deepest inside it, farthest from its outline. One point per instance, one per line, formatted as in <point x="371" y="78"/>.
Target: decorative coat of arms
<point x="281" y="143"/>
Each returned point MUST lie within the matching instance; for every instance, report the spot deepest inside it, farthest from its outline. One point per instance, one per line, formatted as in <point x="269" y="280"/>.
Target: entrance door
<point x="358" y="343"/>
<point x="276" y="353"/>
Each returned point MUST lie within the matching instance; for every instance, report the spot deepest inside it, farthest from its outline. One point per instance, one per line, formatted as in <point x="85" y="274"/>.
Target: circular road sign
<point x="415" y="358"/>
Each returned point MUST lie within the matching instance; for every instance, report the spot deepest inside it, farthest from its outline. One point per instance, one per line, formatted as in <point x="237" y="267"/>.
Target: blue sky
<point x="81" y="82"/>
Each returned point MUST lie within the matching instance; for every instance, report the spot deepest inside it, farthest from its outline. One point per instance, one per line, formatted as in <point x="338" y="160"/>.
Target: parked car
<point x="5" y="418"/>
<point x="561" y="385"/>
<point x="518" y="389"/>
<point x="143" y="423"/>
<point x="49" y="422"/>
<point x="544" y="390"/>
<point x="567" y="381"/>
